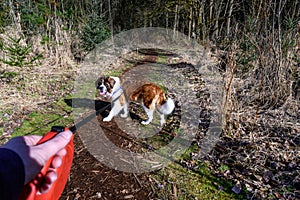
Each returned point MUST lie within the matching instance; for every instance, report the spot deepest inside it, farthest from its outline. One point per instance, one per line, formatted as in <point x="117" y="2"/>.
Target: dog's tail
<point x="168" y="107"/>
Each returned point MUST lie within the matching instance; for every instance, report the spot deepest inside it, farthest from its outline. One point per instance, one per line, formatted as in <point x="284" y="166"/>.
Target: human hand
<point x="34" y="156"/>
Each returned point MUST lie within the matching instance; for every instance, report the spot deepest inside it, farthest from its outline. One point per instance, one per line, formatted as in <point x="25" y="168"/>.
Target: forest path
<point x="90" y="179"/>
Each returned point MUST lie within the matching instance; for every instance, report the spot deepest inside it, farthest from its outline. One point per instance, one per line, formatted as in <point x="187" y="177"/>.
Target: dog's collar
<point x="115" y="92"/>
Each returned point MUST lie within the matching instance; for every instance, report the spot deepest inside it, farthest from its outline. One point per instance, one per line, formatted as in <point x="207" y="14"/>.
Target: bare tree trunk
<point x="167" y="20"/>
<point x="267" y="9"/>
<point x="258" y="11"/>
<point x="282" y="4"/>
<point x="111" y="22"/>
<point x="193" y="27"/>
<point x="16" y="16"/>
<point x="229" y="17"/>
<point x="218" y="10"/>
<point x="210" y="10"/>
<point x="145" y="20"/>
<point x="175" y="20"/>
<point x="57" y="29"/>
<point x="273" y="23"/>
<point x="203" y="19"/>
<point x="190" y="21"/>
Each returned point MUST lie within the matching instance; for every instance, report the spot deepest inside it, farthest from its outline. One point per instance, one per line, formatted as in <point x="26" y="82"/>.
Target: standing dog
<point x="151" y="96"/>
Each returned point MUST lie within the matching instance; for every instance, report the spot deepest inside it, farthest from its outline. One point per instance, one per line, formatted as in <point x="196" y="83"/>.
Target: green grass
<point x="4" y="118"/>
<point x="224" y="168"/>
<point x="40" y="122"/>
<point x="114" y="73"/>
<point x="177" y="182"/>
<point x="162" y="59"/>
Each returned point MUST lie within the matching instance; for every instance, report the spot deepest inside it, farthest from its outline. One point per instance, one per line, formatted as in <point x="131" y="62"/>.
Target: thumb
<point x="54" y="145"/>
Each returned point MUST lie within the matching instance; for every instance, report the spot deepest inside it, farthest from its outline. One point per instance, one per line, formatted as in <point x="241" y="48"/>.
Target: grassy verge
<point x="177" y="182"/>
<point x="40" y="122"/>
<point x="190" y="179"/>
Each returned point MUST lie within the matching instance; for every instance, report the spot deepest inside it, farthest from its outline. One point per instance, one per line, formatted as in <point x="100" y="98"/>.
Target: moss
<point x="198" y="183"/>
<point x="40" y="122"/>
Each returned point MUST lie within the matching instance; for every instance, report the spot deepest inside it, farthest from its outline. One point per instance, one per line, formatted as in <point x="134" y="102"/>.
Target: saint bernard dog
<point x="151" y="97"/>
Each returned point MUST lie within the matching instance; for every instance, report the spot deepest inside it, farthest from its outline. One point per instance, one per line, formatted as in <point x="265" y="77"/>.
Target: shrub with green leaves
<point x="19" y="55"/>
<point x="94" y="32"/>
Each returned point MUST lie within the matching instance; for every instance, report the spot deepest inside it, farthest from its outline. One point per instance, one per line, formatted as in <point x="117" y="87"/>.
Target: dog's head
<point x="105" y="86"/>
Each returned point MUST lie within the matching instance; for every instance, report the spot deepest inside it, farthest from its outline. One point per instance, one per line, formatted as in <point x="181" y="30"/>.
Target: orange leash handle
<point x="29" y="191"/>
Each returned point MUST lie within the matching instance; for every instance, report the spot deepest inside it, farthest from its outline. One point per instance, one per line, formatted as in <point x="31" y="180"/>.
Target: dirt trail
<point x="89" y="179"/>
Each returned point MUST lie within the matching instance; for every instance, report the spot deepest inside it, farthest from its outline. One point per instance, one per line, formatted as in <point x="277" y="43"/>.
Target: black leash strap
<point x="91" y="116"/>
<point x="87" y="119"/>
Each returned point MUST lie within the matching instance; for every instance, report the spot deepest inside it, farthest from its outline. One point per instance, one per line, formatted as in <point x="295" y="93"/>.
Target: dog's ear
<point x="111" y="81"/>
<point x="98" y="81"/>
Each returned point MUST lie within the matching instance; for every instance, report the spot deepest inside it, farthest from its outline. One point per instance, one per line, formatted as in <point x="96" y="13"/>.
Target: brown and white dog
<point x="151" y="97"/>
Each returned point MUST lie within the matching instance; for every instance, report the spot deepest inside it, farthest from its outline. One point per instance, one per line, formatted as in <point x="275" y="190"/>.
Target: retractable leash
<point x="29" y="191"/>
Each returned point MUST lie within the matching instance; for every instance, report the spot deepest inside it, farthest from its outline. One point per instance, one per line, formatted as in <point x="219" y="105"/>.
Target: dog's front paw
<point x="145" y="122"/>
<point x="107" y="119"/>
<point x="124" y="115"/>
<point x="162" y="122"/>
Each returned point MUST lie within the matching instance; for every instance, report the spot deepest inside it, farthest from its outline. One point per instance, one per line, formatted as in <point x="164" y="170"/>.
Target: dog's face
<point x="105" y="86"/>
